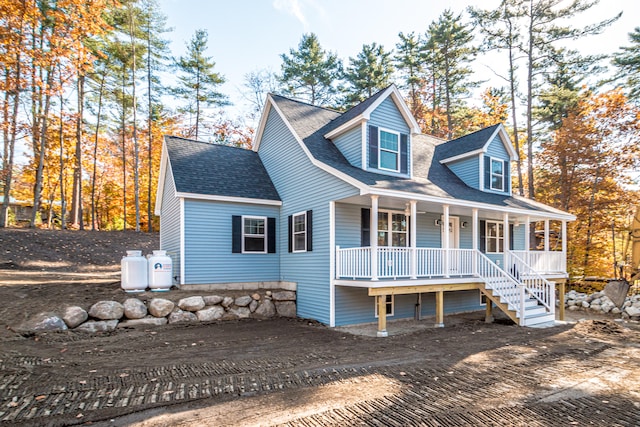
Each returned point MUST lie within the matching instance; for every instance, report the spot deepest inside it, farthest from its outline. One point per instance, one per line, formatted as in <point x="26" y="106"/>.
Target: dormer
<point x="375" y="135"/>
<point x="481" y="159"/>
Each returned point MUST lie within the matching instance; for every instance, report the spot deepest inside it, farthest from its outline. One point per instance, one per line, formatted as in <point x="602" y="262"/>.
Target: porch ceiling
<point x="455" y="208"/>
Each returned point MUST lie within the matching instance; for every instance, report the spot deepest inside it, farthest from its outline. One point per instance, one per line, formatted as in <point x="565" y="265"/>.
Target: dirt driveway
<point x="300" y="373"/>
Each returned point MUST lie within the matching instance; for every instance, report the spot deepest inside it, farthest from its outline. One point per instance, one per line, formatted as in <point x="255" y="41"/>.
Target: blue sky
<point x="247" y="35"/>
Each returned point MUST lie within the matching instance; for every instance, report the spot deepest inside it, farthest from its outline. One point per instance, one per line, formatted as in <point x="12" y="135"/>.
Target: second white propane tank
<point x="160" y="271"/>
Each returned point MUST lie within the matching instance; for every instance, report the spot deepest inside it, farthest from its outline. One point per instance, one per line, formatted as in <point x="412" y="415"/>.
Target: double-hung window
<point x="254" y="234"/>
<point x="495" y="237"/>
<point x="393" y="229"/>
<point x="300" y="232"/>
<point x="389" y="151"/>
<point x="497" y="174"/>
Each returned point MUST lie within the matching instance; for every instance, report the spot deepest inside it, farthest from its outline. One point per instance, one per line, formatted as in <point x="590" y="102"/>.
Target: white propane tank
<point x="160" y="271"/>
<point x="133" y="275"/>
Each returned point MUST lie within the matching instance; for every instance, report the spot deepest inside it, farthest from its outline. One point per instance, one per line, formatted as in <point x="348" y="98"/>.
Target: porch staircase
<point x="521" y="293"/>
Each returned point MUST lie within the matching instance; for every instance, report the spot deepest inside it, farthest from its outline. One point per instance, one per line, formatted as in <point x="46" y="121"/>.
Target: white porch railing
<point x="544" y="261"/>
<point x="536" y="285"/>
<point x="394" y="262"/>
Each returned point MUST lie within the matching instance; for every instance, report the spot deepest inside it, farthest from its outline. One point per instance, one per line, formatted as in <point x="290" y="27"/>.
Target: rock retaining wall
<point x="108" y="315"/>
<point x="600" y="303"/>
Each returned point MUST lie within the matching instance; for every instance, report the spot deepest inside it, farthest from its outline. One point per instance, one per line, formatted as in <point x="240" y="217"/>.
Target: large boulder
<point x="160" y="307"/>
<point x="74" y="316"/>
<point x="209" y="314"/>
<point x="286" y="308"/>
<point x="93" y="326"/>
<point x="181" y="316"/>
<point x="134" y="308"/>
<point x="107" y="310"/>
<point x="191" y="303"/>
<point x="266" y="309"/>
<point x="284" y="296"/>
<point x="617" y="292"/>
<point x="146" y="321"/>
<point x="632" y="311"/>
<point x="243" y="301"/>
<point x="227" y="301"/>
<point x="212" y="299"/>
<point x="240" y="312"/>
<point x="46" y="321"/>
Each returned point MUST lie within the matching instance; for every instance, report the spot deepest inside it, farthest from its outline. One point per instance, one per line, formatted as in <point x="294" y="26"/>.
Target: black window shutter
<point x="483" y="233"/>
<point x="404" y="153"/>
<point x="271" y="235"/>
<point x="510" y="237"/>
<point x="487" y="172"/>
<point x="373" y="147"/>
<point x="365" y="227"/>
<point x="309" y="231"/>
<point x="290" y="239"/>
<point x="507" y="177"/>
<point x="236" y="234"/>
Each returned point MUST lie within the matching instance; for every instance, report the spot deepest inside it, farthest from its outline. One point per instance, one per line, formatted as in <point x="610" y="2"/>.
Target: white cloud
<point x="292" y="7"/>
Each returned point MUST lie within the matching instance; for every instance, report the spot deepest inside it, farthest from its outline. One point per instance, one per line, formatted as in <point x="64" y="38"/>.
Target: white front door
<point x="452" y="233"/>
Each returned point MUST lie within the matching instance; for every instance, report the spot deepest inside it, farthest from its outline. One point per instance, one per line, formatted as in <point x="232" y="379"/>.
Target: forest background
<point x="89" y="88"/>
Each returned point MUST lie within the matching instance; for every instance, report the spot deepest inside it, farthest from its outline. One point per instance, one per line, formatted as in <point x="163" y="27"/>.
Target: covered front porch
<point x="404" y="247"/>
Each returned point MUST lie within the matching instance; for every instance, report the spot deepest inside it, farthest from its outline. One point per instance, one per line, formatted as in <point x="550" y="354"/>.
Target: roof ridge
<point x="206" y="142"/>
<point x="305" y="103"/>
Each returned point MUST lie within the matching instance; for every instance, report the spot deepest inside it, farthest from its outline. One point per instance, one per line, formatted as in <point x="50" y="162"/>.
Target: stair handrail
<point x="535" y="285"/>
<point x="515" y="301"/>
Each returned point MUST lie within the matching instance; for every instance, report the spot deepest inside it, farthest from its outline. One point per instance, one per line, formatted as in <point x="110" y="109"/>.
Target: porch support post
<point x="413" y="229"/>
<point x="564" y="248"/>
<point x="373" y="226"/>
<point x="439" y="309"/>
<point x="488" y="315"/>
<point x="474" y="239"/>
<point x="382" y="316"/>
<point x="445" y="238"/>
<point x="505" y="242"/>
<point x="546" y="235"/>
<point x="561" y="301"/>
<point x="527" y="240"/>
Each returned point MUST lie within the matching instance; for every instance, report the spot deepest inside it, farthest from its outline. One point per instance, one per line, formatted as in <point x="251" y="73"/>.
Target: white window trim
<point x="391" y="303"/>
<point x="497" y="238"/>
<point x="293" y="232"/>
<point x="390" y="226"/>
<point x="491" y="174"/>
<point x="380" y="149"/>
<point x="264" y="236"/>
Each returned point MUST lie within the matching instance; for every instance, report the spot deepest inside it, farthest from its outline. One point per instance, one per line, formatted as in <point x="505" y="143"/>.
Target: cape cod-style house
<point x="365" y="215"/>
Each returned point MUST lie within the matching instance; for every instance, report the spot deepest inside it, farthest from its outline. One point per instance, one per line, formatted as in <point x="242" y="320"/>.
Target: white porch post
<point x="547" y="264"/>
<point x="564" y="246"/>
<point x="527" y="240"/>
<point x="474" y="238"/>
<point x="445" y="238"/>
<point x="373" y="227"/>
<point x="413" y="237"/>
<point x="505" y="241"/>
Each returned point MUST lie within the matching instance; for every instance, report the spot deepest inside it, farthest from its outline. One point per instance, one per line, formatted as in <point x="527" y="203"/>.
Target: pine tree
<point x="311" y="73"/>
<point x="449" y="46"/>
<point x="198" y="83"/>
<point x="410" y="62"/>
<point x="367" y="73"/>
<point x="628" y="62"/>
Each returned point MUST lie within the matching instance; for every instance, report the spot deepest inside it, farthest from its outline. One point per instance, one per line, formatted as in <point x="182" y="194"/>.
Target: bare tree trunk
<point x="136" y="149"/>
<point x="150" y="133"/>
<point x="587" y="246"/>
<point x="76" y="202"/>
<point x="95" y="154"/>
<point x="10" y="143"/>
<point x="531" y="188"/>
<point x="42" y="147"/>
<point x="63" y="204"/>
<point x="124" y="155"/>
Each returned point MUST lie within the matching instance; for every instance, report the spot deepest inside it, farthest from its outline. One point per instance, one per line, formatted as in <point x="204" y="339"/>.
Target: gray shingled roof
<point x="465" y="144"/>
<point x="218" y="170"/>
<point x="431" y="178"/>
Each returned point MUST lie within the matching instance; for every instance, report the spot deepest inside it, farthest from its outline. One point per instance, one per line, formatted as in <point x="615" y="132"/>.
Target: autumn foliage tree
<point x="584" y="170"/>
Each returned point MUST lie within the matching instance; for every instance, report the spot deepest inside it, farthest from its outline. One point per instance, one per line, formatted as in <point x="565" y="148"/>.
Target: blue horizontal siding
<point x="302" y="187"/>
<point x="468" y="170"/>
<point x="387" y="116"/>
<point x="350" y="144"/>
<point x="170" y="222"/>
<point x="208" y="240"/>
<point x="496" y="149"/>
<point x="353" y="305"/>
<point x="519" y="237"/>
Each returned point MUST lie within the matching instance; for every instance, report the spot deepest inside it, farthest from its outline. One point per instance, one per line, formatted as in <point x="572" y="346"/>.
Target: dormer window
<point x="497" y="174"/>
<point x="389" y="151"/>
